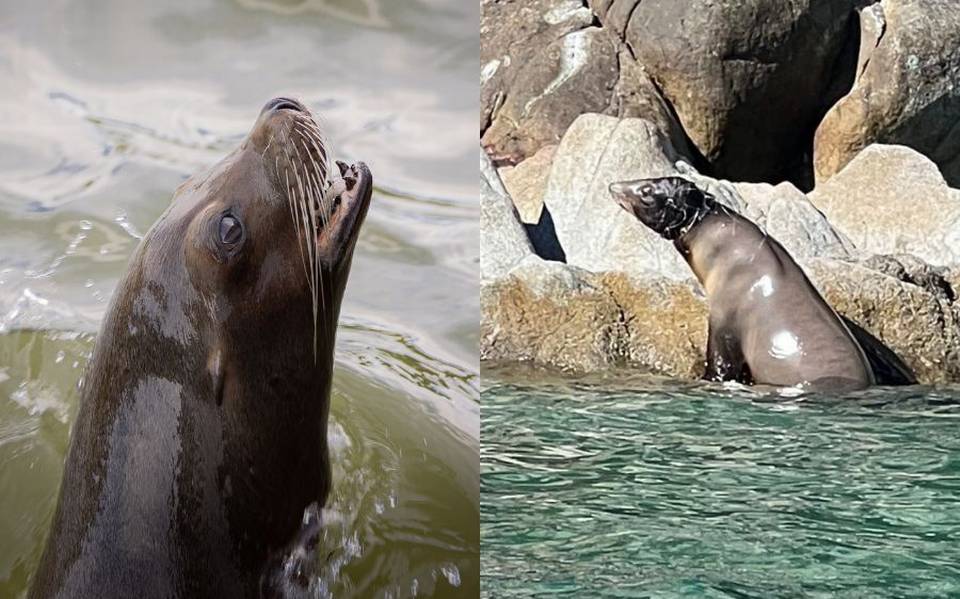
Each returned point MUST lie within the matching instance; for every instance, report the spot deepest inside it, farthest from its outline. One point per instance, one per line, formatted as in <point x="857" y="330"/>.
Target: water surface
<point x="108" y="105"/>
<point x="647" y="487"/>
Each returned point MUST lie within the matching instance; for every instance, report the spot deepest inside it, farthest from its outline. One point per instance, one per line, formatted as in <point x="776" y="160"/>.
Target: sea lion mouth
<point x="349" y="199"/>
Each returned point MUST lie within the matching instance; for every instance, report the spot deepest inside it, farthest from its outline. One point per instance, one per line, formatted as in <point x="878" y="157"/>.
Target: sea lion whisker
<point x="318" y="288"/>
<point x="322" y="168"/>
<point x="316" y="136"/>
<point x="296" y="223"/>
<point x="309" y="239"/>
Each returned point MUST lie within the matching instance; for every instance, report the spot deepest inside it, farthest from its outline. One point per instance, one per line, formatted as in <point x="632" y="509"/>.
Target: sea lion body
<point x="768" y="324"/>
<point x="201" y="433"/>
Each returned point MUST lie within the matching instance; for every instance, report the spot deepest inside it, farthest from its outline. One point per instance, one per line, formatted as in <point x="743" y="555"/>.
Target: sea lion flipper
<point x="725" y="361"/>
<point x="888" y="368"/>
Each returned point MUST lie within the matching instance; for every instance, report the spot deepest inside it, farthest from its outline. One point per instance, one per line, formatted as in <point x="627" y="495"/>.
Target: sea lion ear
<point x="696" y="196"/>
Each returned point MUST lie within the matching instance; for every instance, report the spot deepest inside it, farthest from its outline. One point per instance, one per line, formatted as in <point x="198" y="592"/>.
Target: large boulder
<point x="595" y="233"/>
<point x="893" y="200"/>
<point x="749" y="80"/>
<point x="556" y="315"/>
<point x="914" y="314"/>
<point x="543" y="63"/>
<point x="907" y="90"/>
<point x="510" y="33"/>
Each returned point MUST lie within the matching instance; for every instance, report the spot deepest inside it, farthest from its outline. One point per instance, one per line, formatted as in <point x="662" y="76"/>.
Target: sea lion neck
<point x="707" y="245"/>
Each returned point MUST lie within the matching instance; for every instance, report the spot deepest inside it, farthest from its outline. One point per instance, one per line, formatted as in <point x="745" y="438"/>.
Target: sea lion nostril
<point x="281" y="103"/>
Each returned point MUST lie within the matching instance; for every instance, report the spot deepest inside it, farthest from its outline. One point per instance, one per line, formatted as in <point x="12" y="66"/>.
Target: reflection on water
<point x="109" y="105"/>
<point x="654" y="488"/>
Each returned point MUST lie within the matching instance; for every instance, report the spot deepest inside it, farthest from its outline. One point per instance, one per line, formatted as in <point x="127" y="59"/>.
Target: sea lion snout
<point x="639" y="190"/>
<point x="632" y="196"/>
<point x="281" y="102"/>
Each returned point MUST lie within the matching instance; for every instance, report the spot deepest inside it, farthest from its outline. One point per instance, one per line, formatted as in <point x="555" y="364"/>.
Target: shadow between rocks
<point x="543" y="237"/>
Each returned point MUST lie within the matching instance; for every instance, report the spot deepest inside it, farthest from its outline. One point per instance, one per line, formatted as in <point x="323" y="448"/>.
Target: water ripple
<point x="649" y="487"/>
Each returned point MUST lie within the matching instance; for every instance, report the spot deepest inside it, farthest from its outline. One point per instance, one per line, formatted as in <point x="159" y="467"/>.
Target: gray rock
<point x="504" y="243"/>
<point x="543" y="63"/>
<point x="787" y="214"/>
<point x="907" y="91"/>
<point x="594" y="232"/>
<point x="893" y="200"/>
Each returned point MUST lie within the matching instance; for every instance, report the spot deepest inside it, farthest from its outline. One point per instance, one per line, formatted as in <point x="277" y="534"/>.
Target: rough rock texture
<point x="560" y="316"/>
<point x="543" y="63"/>
<point x="787" y="214"/>
<point x="916" y="321"/>
<point x="644" y="309"/>
<point x="556" y="315"/>
<point x="893" y="200"/>
<point x="907" y="91"/>
<point x="748" y="79"/>
<point x="504" y="241"/>
<point x="527" y="182"/>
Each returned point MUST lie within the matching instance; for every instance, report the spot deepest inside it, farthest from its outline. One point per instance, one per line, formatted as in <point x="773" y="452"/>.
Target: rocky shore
<point x="832" y="124"/>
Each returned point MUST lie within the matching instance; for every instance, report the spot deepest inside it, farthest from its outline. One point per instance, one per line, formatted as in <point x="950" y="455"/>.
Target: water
<point x="109" y="105"/>
<point x="645" y="487"/>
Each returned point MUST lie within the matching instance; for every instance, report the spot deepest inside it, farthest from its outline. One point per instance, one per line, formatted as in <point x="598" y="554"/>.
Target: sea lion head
<point x="670" y="206"/>
<point x="268" y="233"/>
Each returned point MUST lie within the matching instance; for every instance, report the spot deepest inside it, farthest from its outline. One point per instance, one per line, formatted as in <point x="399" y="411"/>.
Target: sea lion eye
<point x="231" y="231"/>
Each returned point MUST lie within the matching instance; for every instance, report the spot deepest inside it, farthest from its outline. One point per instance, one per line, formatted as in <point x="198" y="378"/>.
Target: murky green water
<point x="650" y="488"/>
<point x="108" y="105"/>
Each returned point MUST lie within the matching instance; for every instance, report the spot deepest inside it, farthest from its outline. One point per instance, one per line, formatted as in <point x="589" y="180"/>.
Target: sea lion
<point x="202" y="430"/>
<point x="768" y="324"/>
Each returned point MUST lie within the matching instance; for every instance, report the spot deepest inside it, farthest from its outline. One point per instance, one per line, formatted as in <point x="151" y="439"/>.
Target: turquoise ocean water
<point x="646" y="487"/>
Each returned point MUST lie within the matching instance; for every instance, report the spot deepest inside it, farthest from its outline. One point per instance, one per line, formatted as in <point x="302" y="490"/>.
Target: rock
<point x="893" y="200"/>
<point x="594" y="232"/>
<point x="527" y="182"/>
<point x="504" y="241"/>
<point x="907" y="91"/>
<point x="543" y="63"/>
<point x="921" y="326"/>
<point x="560" y="316"/>
<point x="748" y="79"/>
<point x="787" y="214"/>
<point x="510" y="33"/>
